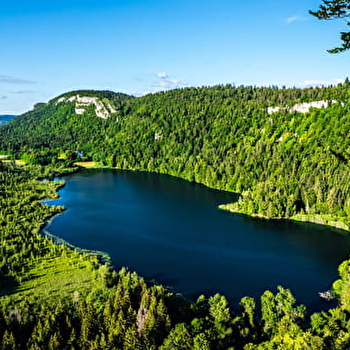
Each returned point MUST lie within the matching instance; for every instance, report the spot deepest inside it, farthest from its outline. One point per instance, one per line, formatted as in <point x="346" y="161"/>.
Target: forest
<point x="285" y="164"/>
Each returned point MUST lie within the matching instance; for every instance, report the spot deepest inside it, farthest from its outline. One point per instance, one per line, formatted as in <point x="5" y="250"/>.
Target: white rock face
<point x="302" y="107"/>
<point x="305" y="107"/>
<point x="102" y="109"/>
<point x="271" y="110"/>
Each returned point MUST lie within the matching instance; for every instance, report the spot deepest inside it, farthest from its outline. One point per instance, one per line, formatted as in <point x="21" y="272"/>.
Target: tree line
<point x="282" y="164"/>
<point x="119" y="310"/>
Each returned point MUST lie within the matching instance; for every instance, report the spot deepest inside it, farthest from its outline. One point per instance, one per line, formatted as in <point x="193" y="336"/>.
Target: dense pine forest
<point x="283" y="162"/>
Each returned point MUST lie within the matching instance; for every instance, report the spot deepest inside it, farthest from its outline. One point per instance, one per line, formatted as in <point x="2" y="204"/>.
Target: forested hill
<point x="286" y="151"/>
<point x="65" y="121"/>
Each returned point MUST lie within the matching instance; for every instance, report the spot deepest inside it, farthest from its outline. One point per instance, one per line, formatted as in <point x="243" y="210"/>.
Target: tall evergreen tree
<point x="336" y="9"/>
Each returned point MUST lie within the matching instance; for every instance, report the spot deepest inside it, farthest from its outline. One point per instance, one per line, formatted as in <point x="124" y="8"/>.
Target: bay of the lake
<point x="172" y="231"/>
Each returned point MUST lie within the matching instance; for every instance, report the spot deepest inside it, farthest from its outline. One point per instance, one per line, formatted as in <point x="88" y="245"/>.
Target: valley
<point x="287" y="164"/>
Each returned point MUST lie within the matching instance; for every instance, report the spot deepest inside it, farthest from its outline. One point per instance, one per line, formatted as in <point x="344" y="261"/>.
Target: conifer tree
<point x="336" y="9"/>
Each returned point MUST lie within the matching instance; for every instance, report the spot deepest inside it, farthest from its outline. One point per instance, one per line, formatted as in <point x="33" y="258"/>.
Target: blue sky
<point x="141" y="46"/>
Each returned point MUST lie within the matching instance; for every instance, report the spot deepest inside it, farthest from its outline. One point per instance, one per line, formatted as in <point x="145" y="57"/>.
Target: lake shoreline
<point x="103" y="257"/>
<point x="154" y="278"/>
<point x="317" y="219"/>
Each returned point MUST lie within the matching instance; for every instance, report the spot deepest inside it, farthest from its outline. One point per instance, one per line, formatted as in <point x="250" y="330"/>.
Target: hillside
<point x="56" y="123"/>
<point x="285" y="151"/>
<point x="53" y="297"/>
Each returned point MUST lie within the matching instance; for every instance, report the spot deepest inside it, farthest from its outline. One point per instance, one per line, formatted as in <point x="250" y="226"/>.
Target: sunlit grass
<point x="17" y="161"/>
<point x="56" y="277"/>
<point x="89" y="164"/>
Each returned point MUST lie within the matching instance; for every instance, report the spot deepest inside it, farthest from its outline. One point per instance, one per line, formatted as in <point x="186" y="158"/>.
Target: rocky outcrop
<point x="103" y="108"/>
<point x="302" y="107"/>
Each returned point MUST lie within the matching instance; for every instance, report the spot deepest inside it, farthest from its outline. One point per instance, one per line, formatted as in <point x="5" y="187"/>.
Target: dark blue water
<point x="171" y="230"/>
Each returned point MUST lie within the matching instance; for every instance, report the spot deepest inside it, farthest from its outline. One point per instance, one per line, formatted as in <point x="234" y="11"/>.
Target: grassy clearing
<point x="55" y="277"/>
<point x="86" y="164"/>
<point x="17" y="161"/>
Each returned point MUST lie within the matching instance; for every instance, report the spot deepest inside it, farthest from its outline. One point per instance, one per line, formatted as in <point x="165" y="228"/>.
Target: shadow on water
<point x="171" y="231"/>
<point x="306" y="235"/>
<point x="168" y="184"/>
<point x="190" y="190"/>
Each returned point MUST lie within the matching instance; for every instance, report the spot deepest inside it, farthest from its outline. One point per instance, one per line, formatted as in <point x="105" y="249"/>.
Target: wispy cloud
<point x="22" y="92"/>
<point x="293" y="19"/>
<point x="7" y="79"/>
<point x="170" y="83"/>
<point x="167" y="83"/>
<point x="162" y="75"/>
<point x="310" y="83"/>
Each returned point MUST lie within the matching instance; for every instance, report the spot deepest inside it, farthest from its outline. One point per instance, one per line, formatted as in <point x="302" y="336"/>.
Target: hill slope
<point x="250" y="140"/>
<point x="66" y="120"/>
<point x="283" y="155"/>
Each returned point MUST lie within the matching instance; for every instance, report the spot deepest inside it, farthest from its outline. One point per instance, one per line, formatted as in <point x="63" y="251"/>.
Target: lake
<point x="172" y="231"/>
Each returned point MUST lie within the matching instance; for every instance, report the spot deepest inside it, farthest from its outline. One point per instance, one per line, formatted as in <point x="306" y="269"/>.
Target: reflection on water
<point x="171" y="230"/>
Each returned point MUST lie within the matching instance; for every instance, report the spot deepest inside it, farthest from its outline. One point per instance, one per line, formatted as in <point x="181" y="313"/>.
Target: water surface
<point x="171" y="230"/>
